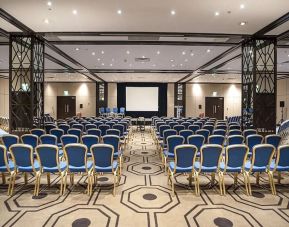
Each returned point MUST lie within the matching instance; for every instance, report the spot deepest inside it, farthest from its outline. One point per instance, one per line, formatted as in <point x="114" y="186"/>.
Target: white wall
<point x="112" y="95"/>
<point x="85" y="94"/>
<point x="4" y="97"/>
<point x="282" y="95"/>
<point x="170" y="100"/>
<point x="196" y="93"/>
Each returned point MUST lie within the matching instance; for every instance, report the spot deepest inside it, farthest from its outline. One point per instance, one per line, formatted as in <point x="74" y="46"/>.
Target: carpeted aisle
<point x="144" y="199"/>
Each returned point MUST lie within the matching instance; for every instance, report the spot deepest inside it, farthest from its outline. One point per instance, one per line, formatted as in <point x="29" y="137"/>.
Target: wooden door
<point x="66" y="106"/>
<point x="214" y="107"/>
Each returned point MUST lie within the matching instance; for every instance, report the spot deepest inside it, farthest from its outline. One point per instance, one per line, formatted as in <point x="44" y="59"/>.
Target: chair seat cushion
<point x="10" y="165"/>
<point x="117" y="154"/>
<point x="205" y="169"/>
<point x="168" y="154"/>
<point x="80" y="168"/>
<point x="180" y="169"/>
<point x="54" y="169"/>
<point x="29" y="168"/>
<point x="230" y="169"/>
<point x="106" y="169"/>
<point x="254" y="168"/>
<point x="278" y="167"/>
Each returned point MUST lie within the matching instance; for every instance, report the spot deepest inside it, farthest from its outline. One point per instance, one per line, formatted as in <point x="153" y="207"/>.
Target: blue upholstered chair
<point x="281" y="163"/>
<point x="235" y="160"/>
<point x="260" y="162"/>
<point x="162" y="128"/>
<point x="64" y="127"/>
<point x="198" y="141"/>
<point x="94" y="131"/>
<point x="194" y="128"/>
<point x="249" y="132"/>
<point x="210" y="158"/>
<point x="6" y="166"/>
<point x="210" y="128"/>
<point x="115" y="142"/>
<point x="102" y="156"/>
<point x="115" y="110"/>
<point x="9" y="139"/>
<point x="88" y="141"/>
<point x="77" y="126"/>
<point x="107" y="110"/>
<point x="203" y="132"/>
<point x="221" y="126"/>
<point x="76" y="156"/>
<point x="103" y="128"/>
<point x="58" y="133"/>
<point x="186" y="133"/>
<point x="235" y="132"/>
<point x="186" y="124"/>
<point x="48" y="159"/>
<point x="178" y="128"/>
<point x="235" y="139"/>
<point x="76" y="132"/>
<point x="200" y="124"/>
<point x="101" y="111"/>
<point x="235" y="127"/>
<point x="168" y="152"/>
<point x="90" y="126"/>
<point x="69" y="139"/>
<point x="220" y="132"/>
<point x="110" y="124"/>
<point x="48" y="127"/>
<point x="37" y="132"/>
<point x="173" y="124"/>
<point x="115" y="132"/>
<point x="167" y="133"/>
<point x="273" y="140"/>
<point x="23" y="159"/>
<point x="216" y="139"/>
<point x="97" y="123"/>
<point x="121" y="130"/>
<point x="30" y="139"/>
<point x="185" y="156"/>
<point x="48" y="139"/>
<point x="252" y="140"/>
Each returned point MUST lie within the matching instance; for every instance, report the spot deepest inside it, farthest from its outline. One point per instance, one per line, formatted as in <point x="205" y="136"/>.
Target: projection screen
<point x="142" y="98"/>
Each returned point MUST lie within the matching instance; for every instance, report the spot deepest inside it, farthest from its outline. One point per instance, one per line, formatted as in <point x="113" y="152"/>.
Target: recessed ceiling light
<point x="110" y="64"/>
<point x="173" y="65"/>
<point x="181" y="64"/>
<point x="242" y="23"/>
<point x="242" y="6"/>
<point x="93" y="53"/>
<point x="112" y="59"/>
<point x="154" y="65"/>
<point x="186" y="60"/>
<point x="130" y="65"/>
<point x="98" y="59"/>
<point x="172" y="60"/>
<point x="173" y="12"/>
<point x="217" y="13"/>
<point x="119" y="12"/>
<point x="46" y="21"/>
<point x="208" y="51"/>
<point x="127" y="52"/>
<point x="143" y="57"/>
<point x="76" y="48"/>
<point x="102" y="52"/>
<point x="49" y="3"/>
<point x="102" y="64"/>
<point x="74" y="11"/>
<point x="158" y="52"/>
<point x="183" y="53"/>
<point x="192" y="54"/>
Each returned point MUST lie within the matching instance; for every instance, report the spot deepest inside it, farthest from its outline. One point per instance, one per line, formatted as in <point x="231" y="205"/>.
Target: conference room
<point x="144" y="113"/>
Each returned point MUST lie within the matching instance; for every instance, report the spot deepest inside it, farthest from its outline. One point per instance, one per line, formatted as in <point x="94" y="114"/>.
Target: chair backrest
<point x="200" y="124"/>
<point x="4" y="157"/>
<point x="234" y="127"/>
<point x="236" y="156"/>
<point x="103" y="128"/>
<point x="97" y="123"/>
<point x="282" y="158"/>
<point x="235" y="132"/>
<point x="220" y="132"/>
<point x="216" y="139"/>
<point x="102" y="155"/>
<point x="37" y="132"/>
<point x="235" y="139"/>
<point x="89" y="140"/>
<point x="9" y="139"/>
<point x="120" y="128"/>
<point x="47" y="155"/>
<point x="248" y="132"/>
<point x="253" y="140"/>
<point x="48" y="139"/>
<point x="162" y="129"/>
<point x="196" y="140"/>
<point x="186" y="124"/>
<point x="94" y="131"/>
<point x="107" y="110"/>
<point x="110" y="124"/>
<point x="172" y="124"/>
<point x="76" y="155"/>
<point x="185" y="155"/>
<point x="64" y="127"/>
<point x="75" y="132"/>
<point x="58" y="133"/>
<point x="273" y="140"/>
<point x="115" y="132"/>
<point x="48" y="127"/>
<point x="204" y="132"/>
<point x="30" y="139"/>
<point x="22" y="155"/>
<point x="262" y="155"/>
<point x="211" y="155"/>
<point x="112" y="140"/>
<point x="178" y="128"/>
<point x="173" y="141"/>
<point x="69" y="139"/>
<point x="101" y="110"/>
<point x="194" y="128"/>
<point x="115" y="110"/>
<point x="186" y="133"/>
<point x="221" y="126"/>
<point x="210" y="128"/>
<point x="89" y="126"/>
<point x="122" y="110"/>
<point x="167" y="133"/>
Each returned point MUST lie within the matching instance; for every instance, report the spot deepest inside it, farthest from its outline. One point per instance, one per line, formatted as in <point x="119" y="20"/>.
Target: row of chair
<point x="107" y="111"/>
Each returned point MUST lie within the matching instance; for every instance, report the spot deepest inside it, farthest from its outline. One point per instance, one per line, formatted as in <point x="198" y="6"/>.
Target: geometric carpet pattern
<point x="143" y="198"/>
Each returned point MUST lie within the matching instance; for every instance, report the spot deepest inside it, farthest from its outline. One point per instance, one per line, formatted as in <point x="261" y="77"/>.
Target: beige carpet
<point x="144" y="199"/>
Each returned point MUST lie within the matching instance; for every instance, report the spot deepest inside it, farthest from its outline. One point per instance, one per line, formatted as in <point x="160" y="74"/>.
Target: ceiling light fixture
<point x="49" y="3"/>
<point x="46" y="21"/>
<point x="172" y="60"/>
<point x="192" y="54"/>
<point x="242" y="23"/>
<point x="76" y="48"/>
<point x="217" y="13"/>
<point x="93" y="53"/>
<point x="173" y="12"/>
<point x="110" y="64"/>
<point x="98" y="59"/>
<point x="74" y="11"/>
<point x="181" y="64"/>
<point x="127" y="52"/>
<point x="102" y="52"/>
<point x="119" y="12"/>
<point x="186" y="60"/>
<point x="242" y="6"/>
<point x="158" y="52"/>
<point x="173" y="65"/>
<point x="102" y="64"/>
<point x="208" y="51"/>
<point x="183" y="53"/>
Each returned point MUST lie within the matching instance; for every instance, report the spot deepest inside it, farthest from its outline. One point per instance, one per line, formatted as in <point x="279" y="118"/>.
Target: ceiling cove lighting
<point x="173" y="12"/>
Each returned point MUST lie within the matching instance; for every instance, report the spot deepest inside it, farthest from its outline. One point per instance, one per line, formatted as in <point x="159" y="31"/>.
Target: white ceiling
<point x="220" y="78"/>
<point x="147" y="16"/>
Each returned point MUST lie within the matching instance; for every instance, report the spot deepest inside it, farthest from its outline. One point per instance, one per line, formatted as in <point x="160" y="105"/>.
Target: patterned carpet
<point x="143" y="198"/>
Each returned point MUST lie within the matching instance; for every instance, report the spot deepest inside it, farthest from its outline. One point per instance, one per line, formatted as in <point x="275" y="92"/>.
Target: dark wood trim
<point x="282" y="36"/>
<point x="211" y="83"/>
<point x="226" y="62"/>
